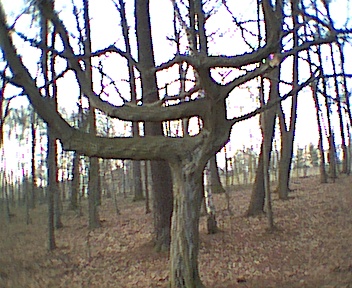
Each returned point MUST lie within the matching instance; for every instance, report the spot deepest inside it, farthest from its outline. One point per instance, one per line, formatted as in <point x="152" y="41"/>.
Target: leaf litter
<point x="312" y="246"/>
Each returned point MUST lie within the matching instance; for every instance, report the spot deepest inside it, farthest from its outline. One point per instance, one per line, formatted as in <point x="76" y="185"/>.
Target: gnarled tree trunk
<point x="187" y="187"/>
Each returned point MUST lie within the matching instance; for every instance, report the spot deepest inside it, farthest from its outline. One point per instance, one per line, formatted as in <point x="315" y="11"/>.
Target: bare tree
<point x="205" y="99"/>
<point x="272" y="30"/>
<point x="288" y="129"/>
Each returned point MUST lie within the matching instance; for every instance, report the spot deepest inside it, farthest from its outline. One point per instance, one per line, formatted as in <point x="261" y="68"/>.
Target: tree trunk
<point x="75" y="182"/>
<point x="323" y="176"/>
<point x="51" y="191"/>
<point x="288" y="133"/>
<point x="285" y="164"/>
<point x="256" y="206"/>
<point x="208" y="202"/>
<point x="184" y="249"/>
<point x="34" y="178"/>
<point x="160" y="171"/>
<point x="93" y="188"/>
<point x="137" y="181"/>
<point x="146" y="183"/>
<point x="340" y="111"/>
<point x="258" y="193"/>
<point x="216" y="186"/>
<point x="162" y="204"/>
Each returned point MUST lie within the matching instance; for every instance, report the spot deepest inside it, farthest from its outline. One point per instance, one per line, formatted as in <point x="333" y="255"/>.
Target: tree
<point x="272" y="28"/>
<point x="136" y="165"/>
<point x="160" y="171"/>
<point x="94" y="171"/>
<point x="205" y="99"/>
<point x="216" y="185"/>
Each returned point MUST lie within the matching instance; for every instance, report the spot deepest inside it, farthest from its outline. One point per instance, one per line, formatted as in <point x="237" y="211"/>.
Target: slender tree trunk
<point x="322" y="171"/>
<point x="75" y="182"/>
<point x="216" y="186"/>
<point x="93" y="201"/>
<point x="94" y="173"/>
<point x="287" y="134"/>
<point x="208" y="201"/>
<point x="146" y="175"/>
<point x="331" y="138"/>
<point x="51" y="192"/>
<point x="270" y="11"/>
<point x="323" y="175"/>
<point x="256" y="206"/>
<point x="136" y="165"/>
<point x="137" y="181"/>
<point x="267" y="192"/>
<point x="339" y="112"/>
<point x="160" y="171"/>
<point x="51" y="142"/>
<point x="57" y="198"/>
<point x="34" y="178"/>
<point x="187" y="185"/>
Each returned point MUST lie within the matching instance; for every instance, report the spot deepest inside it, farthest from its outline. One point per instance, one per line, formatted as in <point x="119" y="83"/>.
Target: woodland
<point x="120" y="115"/>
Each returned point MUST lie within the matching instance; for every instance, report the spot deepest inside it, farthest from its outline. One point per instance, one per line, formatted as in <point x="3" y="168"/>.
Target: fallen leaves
<point x="312" y="247"/>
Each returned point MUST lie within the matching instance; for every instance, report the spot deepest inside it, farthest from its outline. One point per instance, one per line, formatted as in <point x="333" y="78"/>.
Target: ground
<point x="312" y="246"/>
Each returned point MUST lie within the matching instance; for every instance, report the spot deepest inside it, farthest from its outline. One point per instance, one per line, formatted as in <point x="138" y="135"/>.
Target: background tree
<point x="288" y="129"/>
<point x="160" y="171"/>
<point x="273" y="28"/>
<point x="94" y="192"/>
<point x="137" y="176"/>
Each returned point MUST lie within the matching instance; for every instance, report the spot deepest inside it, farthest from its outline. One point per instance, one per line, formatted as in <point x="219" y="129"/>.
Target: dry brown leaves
<point x="311" y="248"/>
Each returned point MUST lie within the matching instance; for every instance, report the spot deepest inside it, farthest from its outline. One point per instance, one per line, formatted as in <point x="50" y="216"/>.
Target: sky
<point x="104" y="20"/>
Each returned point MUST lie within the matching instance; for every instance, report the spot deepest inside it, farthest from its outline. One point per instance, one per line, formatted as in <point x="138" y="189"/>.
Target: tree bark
<point x="216" y="186"/>
<point x="34" y="178"/>
<point x="323" y="175"/>
<point x="51" y="192"/>
<point x="256" y="206"/>
<point x="187" y="184"/>
<point x="137" y="181"/>
<point x="162" y="204"/>
<point x="93" y="190"/>
<point x="75" y="182"/>
<point x="208" y="203"/>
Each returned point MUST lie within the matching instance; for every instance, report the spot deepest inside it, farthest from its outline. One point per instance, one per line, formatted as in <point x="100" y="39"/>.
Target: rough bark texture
<point x="184" y="249"/>
<point x="162" y="204"/>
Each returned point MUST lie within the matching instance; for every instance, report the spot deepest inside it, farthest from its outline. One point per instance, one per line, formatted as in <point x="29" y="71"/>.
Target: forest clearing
<point x="312" y="246"/>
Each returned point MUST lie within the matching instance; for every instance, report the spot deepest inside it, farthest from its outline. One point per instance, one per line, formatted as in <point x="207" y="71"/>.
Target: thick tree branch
<point x="136" y="148"/>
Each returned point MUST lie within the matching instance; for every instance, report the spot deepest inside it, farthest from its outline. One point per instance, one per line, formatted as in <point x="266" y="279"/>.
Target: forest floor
<point x="312" y="246"/>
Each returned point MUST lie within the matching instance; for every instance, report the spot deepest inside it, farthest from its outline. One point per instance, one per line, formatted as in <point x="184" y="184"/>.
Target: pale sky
<point x="104" y="15"/>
